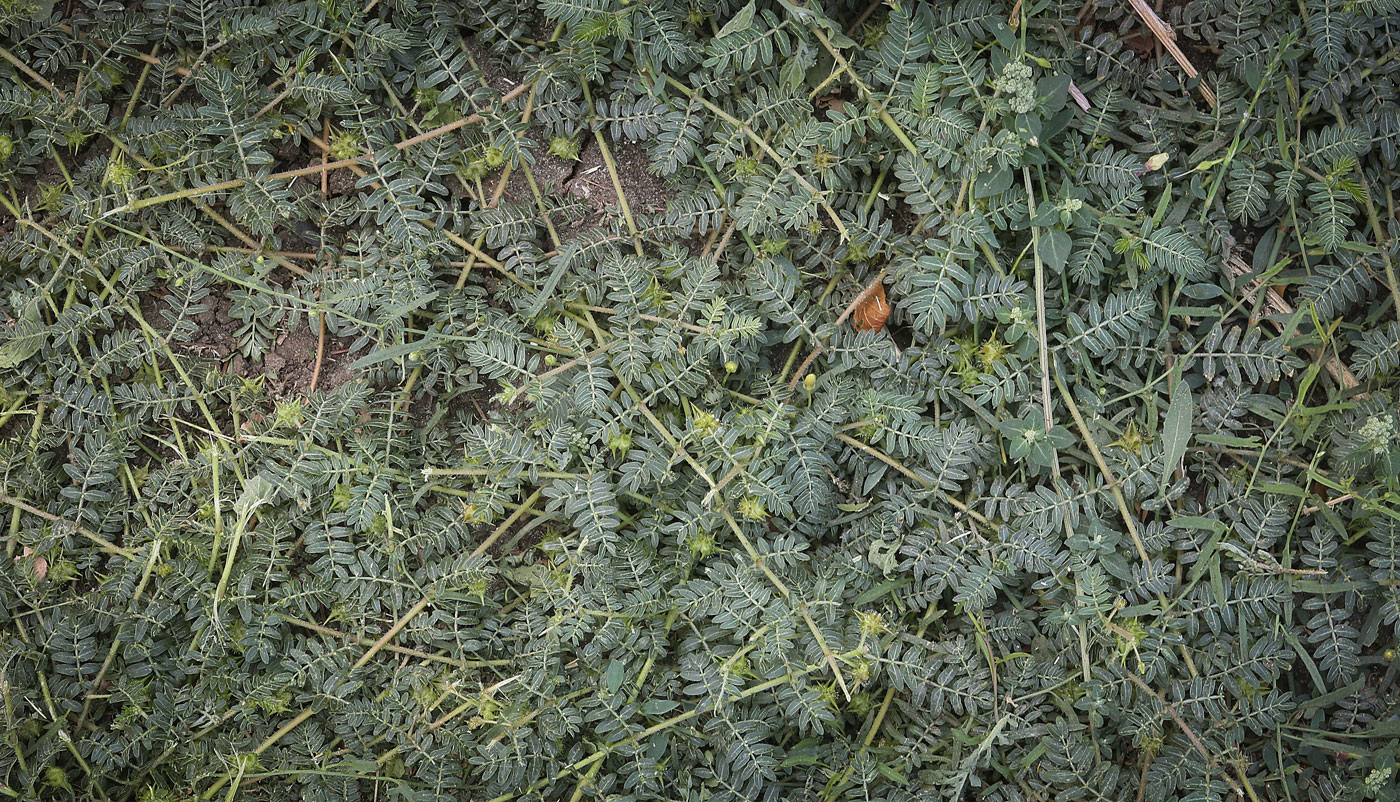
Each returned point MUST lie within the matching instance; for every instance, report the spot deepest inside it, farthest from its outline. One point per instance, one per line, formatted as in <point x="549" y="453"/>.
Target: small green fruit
<point x="620" y="443"/>
<point x="753" y="508"/>
<point x="564" y="147"/>
<point x="345" y="145"/>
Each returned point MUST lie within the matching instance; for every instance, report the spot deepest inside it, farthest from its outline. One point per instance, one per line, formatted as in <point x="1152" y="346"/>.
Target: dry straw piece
<point x="1167" y="37"/>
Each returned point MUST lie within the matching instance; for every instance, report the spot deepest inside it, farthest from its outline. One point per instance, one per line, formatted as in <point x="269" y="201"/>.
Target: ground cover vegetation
<point x="699" y="400"/>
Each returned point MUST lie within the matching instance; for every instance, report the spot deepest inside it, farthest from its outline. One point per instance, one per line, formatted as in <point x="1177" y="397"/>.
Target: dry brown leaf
<point x="871" y="313"/>
<point x="41" y="565"/>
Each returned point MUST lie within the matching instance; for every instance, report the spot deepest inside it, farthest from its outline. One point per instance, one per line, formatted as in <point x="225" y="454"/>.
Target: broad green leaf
<point x="1198" y="522"/>
<point x="880" y="591"/>
<point x="25" y="338"/>
<point x="989" y="184"/>
<point x="657" y="707"/>
<point x="739" y="22"/>
<point x="257" y="491"/>
<point x="1176" y="430"/>
<point x="1055" y="246"/>
<point x="805" y="753"/>
<point x="1053" y="90"/>
<point x="614" y="674"/>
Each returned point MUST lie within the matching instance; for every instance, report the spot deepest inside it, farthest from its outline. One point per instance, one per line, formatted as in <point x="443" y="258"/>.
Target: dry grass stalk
<point x="1275" y="305"/>
<point x="1167" y="37"/>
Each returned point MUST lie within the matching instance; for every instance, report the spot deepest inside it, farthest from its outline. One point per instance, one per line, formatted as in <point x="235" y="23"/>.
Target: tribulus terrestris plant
<point x="699" y="400"/>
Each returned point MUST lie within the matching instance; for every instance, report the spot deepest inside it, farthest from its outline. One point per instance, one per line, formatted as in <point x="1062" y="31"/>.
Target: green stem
<point x="507" y="523"/>
<point x="612" y="173"/>
<point x="234" y="542"/>
<point x="24" y="68"/>
<point x="902" y="468"/>
<point x="869" y="95"/>
<point x="314" y="169"/>
<point x="102" y="542"/>
<point x="744" y="128"/>
<point x="1042" y="337"/>
<point x="1128" y="519"/>
<point x="136" y="91"/>
<point x="632" y="740"/>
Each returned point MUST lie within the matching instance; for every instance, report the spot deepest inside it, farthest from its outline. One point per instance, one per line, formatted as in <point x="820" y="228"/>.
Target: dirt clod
<point x="291" y="363"/>
<point x="592" y="182"/>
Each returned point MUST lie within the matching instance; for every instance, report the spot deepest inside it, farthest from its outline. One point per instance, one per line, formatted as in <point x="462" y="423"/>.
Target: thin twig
<point x="271" y="104"/>
<point x="325" y="157"/>
<point x="506" y="524"/>
<point x="1276" y="304"/>
<point x="870" y="97"/>
<point x="253" y="244"/>
<point x="616" y="179"/>
<point x="320" y="351"/>
<point x="723" y="241"/>
<point x="1329" y="504"/>
<point x="1170" y="710"/>
<point x="864" y="15"/>
<point x="961" y="506"/>
<point x="1278" y="569"/>
<point x="33" y="76"/>
<point x="364" y="641"/>
<point x="418" y="607"/>
<point x="1382" y="241"/>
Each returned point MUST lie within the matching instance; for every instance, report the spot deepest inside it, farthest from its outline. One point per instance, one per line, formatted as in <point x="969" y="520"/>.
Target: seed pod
<point x="871" y="314"/>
